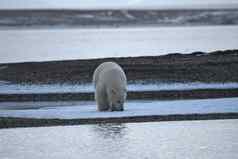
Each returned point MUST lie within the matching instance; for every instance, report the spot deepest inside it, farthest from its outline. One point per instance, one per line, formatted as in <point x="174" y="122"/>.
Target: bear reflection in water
<point x="110" y="130"/>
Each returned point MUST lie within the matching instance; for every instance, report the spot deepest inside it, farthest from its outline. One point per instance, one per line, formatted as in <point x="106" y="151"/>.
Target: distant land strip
<point x="9" y="122"/>
<point x="143" y="95"/>
<point x="115" y="18"/>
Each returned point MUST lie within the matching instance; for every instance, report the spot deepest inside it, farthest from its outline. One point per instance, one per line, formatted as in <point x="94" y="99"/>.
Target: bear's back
<point x="104" y="68"/>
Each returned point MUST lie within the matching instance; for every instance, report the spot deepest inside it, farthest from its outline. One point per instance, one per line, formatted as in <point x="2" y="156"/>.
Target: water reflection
<point x="109" y="140"/>
<point x="185" y="139"/>
<point x="110" y="130"/>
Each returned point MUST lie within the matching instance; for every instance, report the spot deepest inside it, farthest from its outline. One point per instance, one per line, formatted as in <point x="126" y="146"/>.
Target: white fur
<point x="110" y="87"/>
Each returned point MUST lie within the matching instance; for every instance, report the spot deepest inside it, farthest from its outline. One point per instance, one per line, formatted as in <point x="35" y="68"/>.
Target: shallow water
<point x="87" y="109"/>
<point x="62" y="44"/>
<point x="215" y="139"/>
<point x="8" y="88"/>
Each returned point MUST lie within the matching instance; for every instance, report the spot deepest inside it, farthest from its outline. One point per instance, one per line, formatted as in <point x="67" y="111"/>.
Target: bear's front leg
<point x="101" y="99"/>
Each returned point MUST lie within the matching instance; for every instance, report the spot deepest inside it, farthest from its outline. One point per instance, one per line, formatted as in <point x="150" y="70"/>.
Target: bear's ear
<point x="113" y="91"/>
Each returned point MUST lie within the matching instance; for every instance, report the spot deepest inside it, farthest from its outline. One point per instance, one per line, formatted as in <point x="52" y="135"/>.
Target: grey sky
<point x="6" y="4"/>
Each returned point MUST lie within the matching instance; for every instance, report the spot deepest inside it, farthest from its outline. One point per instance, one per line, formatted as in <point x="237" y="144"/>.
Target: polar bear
<point x="110" y="87"/>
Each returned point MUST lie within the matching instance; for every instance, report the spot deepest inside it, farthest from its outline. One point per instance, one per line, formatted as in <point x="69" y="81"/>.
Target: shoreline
<point x="132" y="95"/>
<point x="105" y="27"/>
<point x="10" y="122"/>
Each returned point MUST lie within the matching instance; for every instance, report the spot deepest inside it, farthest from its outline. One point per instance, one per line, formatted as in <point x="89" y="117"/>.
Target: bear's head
<point x="116" y="98"/>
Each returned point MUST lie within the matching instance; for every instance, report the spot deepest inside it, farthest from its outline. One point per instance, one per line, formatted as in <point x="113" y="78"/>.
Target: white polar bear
<point x="110" y="87"/>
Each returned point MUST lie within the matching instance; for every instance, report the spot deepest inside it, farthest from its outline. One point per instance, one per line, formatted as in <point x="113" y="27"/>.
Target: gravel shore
<point x="219" y="66"/>
<point x="8" y="122"/>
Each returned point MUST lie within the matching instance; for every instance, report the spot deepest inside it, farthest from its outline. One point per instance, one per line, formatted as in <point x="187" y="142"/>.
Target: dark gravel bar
<point x="9" y="122"/>
<point x="144" y="95"/>
<point x="218" y="66"/>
